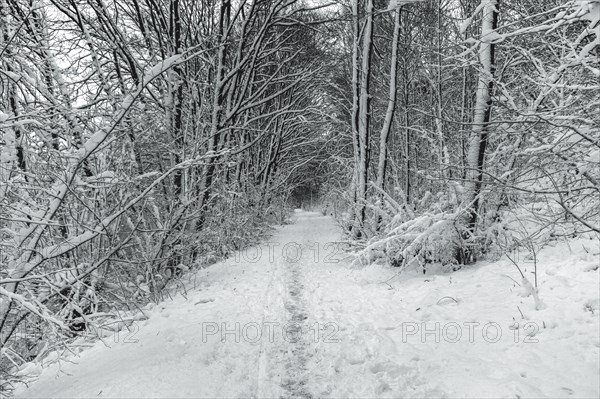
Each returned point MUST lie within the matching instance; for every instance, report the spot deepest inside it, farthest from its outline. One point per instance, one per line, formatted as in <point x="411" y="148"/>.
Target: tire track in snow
<point x="295" y="381"/>
<point x="263" y="375"/>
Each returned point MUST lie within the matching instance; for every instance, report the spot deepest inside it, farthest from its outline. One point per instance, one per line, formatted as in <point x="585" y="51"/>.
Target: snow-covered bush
<point x="425" y="239"/>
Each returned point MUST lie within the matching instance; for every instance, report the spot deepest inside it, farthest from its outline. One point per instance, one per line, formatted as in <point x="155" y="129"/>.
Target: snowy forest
<point x="145" y="142"/>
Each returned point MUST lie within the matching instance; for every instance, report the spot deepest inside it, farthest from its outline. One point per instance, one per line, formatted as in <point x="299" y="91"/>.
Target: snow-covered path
<point x="291" y="318"/>
<point x="242" y="330"/>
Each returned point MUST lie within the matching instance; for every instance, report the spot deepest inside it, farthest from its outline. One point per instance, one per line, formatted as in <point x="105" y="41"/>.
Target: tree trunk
<point x="215" y="125"/>
<point x="355" y="108"/>
<point x="364" y="120"/>
<point x="389" y="115"/>
<point x="481" y="118"/>
<point x="443" y="150"/>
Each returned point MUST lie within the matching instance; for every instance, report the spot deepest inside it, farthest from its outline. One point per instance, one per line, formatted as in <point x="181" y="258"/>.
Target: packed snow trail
<point x="292" y="318"/>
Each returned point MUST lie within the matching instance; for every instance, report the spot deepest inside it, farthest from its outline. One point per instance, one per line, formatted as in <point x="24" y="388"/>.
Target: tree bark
<point x="481" y="118"/>
<point x="215" y="125"/>
<point x="355" y="108"/>
<point x="389" y="114"/>
<point x="364" y="117"/>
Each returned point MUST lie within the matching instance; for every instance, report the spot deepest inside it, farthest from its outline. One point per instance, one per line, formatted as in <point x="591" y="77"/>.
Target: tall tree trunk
<point x="217" y="105"/>
<point x="444" y="156"/>
<point x="355" y="107"/>
<point x="364" y="117"/>
<point x="481" y="117"/>
<point x="176" y="81"/>
<point x="389" y="114"/>
<point x="407" y="138"/>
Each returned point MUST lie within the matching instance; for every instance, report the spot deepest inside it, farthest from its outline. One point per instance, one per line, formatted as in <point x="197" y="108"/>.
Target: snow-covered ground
<point x="290" y="321"/>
